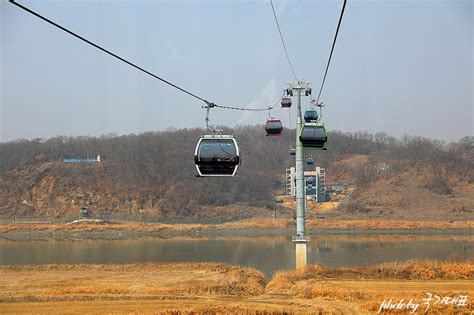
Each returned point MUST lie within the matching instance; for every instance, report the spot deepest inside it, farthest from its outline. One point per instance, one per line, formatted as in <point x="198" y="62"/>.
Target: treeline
<point x="389" y="155"/>
<point x="161" y="165"/>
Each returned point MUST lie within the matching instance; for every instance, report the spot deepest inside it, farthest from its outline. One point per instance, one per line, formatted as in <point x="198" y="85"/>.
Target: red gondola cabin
<point x="286" y="102"/>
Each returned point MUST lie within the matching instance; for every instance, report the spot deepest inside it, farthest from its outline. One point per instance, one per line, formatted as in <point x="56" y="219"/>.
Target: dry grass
<point x="263" y="305"/>
<point x="369" y="294"/>
<point x="263" y="223"/>
<point x="60" y="282"/>
<point x="203" y="288"/>
<point x="100" y="226"/>
<point x="419" y="192"/>
<point x="388" y="224"/>
<point x="368" y="286"/>
<point x="406" y="270"/>
<point x="208" y="288"/>
<point x="147" y="227"/>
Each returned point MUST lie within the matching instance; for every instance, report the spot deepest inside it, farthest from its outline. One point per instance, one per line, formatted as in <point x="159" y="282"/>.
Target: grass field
<point x="209" y="288"/>
<point x="262" y="223"/>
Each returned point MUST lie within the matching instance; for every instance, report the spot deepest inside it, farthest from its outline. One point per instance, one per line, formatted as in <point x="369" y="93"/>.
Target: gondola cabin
<point x="286" y="102"/>
<point x="273" y="127"/>
<point x="217" y="155"/>
<point x="311" y="115"/>
<point x="292" y="152"/>
<point x="313" y="136"/>
<point x="309" y="161"/>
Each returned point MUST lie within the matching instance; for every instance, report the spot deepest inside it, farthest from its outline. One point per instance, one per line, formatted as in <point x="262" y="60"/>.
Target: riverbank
<point x="217" y="288"/>
<point x="100" y="229"/>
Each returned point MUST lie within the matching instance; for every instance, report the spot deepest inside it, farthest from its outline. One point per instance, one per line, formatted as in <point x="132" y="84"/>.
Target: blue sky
<point x="401" y="67"/>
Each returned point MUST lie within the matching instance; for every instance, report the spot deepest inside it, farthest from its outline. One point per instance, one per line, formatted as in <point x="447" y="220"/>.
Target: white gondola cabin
<point x="217" y="155"/>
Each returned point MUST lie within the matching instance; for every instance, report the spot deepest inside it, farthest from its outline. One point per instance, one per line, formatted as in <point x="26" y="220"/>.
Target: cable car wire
<point x="208" y="104"/>
<point x="107" y="51"/>
<point x="283" y="41"/>
<point x="332" y="49"/>
<point x="241" y="108"/>
<point x="249" y="109"/>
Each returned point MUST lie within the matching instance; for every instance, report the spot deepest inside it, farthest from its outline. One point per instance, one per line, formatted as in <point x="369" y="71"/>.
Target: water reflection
<point x="267" y="254"/>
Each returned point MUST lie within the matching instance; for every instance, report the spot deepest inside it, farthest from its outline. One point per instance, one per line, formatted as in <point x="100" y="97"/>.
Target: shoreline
<point x="119" y="230"/>
<point x="18" y="236"/>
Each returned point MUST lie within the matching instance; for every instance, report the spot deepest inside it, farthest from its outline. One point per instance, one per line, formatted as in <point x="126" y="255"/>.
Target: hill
<point x="152" y="176"/>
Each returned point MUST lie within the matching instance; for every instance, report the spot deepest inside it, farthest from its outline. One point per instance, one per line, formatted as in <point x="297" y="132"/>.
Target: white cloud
<point x="267" y="97"/>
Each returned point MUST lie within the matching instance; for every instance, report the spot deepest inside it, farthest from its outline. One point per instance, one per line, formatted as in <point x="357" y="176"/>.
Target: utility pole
<point x="300" y="239"/>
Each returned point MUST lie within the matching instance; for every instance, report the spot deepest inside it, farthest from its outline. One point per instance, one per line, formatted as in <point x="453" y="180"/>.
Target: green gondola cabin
<point x="313" y="136"/>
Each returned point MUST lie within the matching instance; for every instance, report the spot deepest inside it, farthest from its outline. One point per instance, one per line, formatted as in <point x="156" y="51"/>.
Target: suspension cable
<point x="332" y="49"/>
<point x="283" y="41"/>
<point x="210" y="104"/>
<point x="249" y="109"/>
<point x="107" y="51"/>
<point x="242" y="108"/>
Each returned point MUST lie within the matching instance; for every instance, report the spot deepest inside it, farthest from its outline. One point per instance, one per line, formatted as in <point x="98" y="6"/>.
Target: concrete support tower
<point x="298" y="88"/>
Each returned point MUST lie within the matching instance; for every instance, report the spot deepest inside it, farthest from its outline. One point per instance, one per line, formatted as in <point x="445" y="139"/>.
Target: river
<point x="268" y="254"/>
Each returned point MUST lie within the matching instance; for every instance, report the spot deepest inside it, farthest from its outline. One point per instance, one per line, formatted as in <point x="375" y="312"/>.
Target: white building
<point x="315" y="183"/>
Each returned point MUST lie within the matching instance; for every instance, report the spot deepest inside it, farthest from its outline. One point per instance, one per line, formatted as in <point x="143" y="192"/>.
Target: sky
<point x="400" y="67"/>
